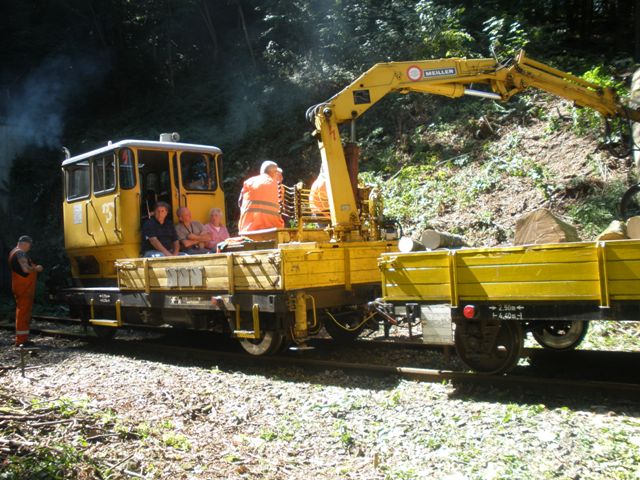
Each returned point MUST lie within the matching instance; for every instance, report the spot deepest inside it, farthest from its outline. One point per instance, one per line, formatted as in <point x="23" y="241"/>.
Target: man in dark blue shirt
<point x="160" y="239"/>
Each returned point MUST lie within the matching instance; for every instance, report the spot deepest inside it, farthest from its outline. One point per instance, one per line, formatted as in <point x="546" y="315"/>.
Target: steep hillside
<point x="477" y="176"/>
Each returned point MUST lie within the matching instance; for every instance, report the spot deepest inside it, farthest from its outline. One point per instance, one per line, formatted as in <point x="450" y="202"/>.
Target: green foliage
<point x="506" y="37"/>
<point x="177" y="441"/>
<point x="442" y="31"/>
<point x="587" y="121"/>
<point x="594" y="213"/>
<point x="51" y="463"/>
<point x="343" y="433"/>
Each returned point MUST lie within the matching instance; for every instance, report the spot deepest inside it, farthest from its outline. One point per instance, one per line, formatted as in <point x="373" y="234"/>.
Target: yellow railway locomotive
<point x="277" y="292"/>
<point x="287" y="283"/>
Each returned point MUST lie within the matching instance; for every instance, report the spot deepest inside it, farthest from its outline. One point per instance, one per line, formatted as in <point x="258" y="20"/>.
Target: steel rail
<point x="416" y="374"/>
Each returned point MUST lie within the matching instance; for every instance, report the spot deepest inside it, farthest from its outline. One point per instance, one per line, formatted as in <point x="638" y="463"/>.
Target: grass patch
<point x="51" y="463"/>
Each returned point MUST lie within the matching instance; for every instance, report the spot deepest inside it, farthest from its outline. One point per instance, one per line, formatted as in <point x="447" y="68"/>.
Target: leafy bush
<point x="586" y="121"/>
<point x="594" y="213"/>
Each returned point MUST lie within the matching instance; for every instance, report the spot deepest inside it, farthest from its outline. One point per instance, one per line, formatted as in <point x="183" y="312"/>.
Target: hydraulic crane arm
<point x="450" y="77"/>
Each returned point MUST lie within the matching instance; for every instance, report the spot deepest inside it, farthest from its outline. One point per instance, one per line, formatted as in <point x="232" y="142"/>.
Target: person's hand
<point x="39" y="268"/>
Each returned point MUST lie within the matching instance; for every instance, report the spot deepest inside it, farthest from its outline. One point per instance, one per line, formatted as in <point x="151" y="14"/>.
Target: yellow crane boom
<point x="450" y="77"/>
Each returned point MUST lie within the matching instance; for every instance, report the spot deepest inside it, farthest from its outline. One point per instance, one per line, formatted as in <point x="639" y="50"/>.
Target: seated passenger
<point x="215" y="229"/>
<point x="159" y="235"/>
<point x="191" y="234"/>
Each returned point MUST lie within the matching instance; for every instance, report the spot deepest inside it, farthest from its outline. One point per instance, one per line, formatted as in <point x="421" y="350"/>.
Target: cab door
<point x="103" y="216"/>
<point x="127" y="202"/>
<point x="199" y="184"/>
<point x="77" y="180"/>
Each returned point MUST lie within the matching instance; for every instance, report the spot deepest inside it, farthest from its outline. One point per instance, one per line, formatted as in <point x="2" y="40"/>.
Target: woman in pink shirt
<point x="215" y="228"/>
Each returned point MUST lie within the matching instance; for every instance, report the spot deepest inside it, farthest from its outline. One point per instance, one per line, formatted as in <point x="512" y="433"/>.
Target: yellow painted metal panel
<point x="623" y="270"/>
<point x="557" y="272"/>
<point x="528" y="255"/>
<point x="534" y="291"/>
<point x="315" y="267"/>
<point x="629" y="289"/>
<point x="295" y="282"/>
<point x="431" y="293"/>
<point x="365" y="276"/>
<point x="528" y="272"/>
<point x="623" y="250"/>
<point x="422" y="276"/>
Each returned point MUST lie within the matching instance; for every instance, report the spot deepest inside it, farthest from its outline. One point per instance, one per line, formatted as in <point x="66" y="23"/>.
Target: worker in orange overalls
<point x="23" y="283"/>
<point x="318" y="198"/>
<point x="259" y="206"/>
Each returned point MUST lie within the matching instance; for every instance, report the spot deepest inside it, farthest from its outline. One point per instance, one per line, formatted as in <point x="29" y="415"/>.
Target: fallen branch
<point x="102" y="435"/>
<point x="51" y="422"/>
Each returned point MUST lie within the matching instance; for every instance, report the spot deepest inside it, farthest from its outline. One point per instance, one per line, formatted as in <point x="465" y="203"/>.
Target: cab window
<point x="198" y="171"/>
<point x="77" y="180"/>
<point x="104" y="174"/>
<point x="127" y="173"/>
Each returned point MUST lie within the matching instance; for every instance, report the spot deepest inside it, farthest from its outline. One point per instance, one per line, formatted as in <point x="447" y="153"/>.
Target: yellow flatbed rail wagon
<point x="493" y="295"/>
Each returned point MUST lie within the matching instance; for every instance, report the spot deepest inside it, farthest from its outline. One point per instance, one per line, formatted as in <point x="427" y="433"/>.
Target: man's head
<point x="161" y="211"/>
<point x="278" y="175"/>
<point x="215" y="217"/>
<point x="270" y="168"/>
<point x="184" y="215"/>
<point x="24" y="243"/>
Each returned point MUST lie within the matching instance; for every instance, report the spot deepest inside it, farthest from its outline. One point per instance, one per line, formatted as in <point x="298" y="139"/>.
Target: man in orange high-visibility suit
<point x="23" y="283"/>
<point x="259" y="206"/>
<point x="318" y="199"/>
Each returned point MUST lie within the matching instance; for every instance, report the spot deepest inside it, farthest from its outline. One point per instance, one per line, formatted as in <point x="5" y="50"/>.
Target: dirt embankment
<point x="534" y="162"/>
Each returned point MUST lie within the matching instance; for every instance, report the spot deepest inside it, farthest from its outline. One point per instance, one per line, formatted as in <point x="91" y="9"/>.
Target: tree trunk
<point x="408" y="244"/>
<point x="541" y="226"/>
<point x="170" y="66"/>
<point x="635" y="127"/>
<point x="636" y="16"/>
<point x="586" y="19"/>
<point x="246" y="33"/>
<point x="433" y="239"/>
<point x="633" y="227"/>
<point x="616" y="230"/>
<point x="205" y="12"/>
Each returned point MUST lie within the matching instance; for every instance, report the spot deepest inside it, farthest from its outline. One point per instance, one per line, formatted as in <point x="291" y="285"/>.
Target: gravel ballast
<point x="84" y="413"/>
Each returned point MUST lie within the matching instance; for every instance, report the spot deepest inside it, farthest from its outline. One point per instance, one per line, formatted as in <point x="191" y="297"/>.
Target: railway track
<point x="149" y="349"/>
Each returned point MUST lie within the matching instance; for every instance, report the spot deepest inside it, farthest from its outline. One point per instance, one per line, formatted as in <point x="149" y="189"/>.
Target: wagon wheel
<point x="344" y="327"/>
<point x="560" y="335"/>
<point x="490" y="349"/>
<point x="269" y="343"/>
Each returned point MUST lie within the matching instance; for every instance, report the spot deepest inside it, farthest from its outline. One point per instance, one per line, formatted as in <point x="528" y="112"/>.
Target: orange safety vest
<point x="260" y="208"/>
<point x="318" y="198"/>
<point x="24" y="289"/>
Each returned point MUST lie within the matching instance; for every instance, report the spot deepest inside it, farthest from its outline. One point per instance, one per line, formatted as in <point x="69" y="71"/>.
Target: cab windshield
<point x="198" y="171"/>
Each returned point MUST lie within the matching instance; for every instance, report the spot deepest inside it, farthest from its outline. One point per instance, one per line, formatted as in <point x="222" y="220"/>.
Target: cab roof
<point x="185" y="147"/>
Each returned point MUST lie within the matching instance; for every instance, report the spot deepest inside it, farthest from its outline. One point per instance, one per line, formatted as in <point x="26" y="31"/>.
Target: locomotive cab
<point x="110" y="192"/>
